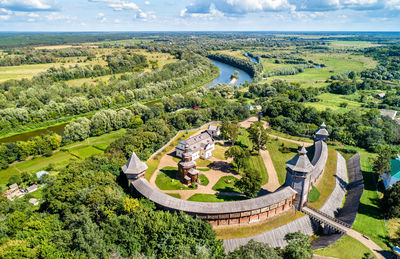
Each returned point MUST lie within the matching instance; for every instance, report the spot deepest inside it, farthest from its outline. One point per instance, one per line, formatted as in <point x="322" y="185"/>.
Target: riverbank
<point x="26" y="132"/>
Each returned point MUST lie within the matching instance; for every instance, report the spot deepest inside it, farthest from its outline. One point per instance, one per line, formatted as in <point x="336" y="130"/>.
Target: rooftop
<point x="134" y="165"/>
<point x="300" y="163"/>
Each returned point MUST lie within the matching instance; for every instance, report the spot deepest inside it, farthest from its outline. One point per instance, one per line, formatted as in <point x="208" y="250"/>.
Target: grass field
<point x="328" y="180"/>
<point x="345" y="248"/>
<point x="279" y="159"/>
<point x="219" y="152"/>
<point x="79" y="150"/>
<point x="202" y="197"/>
<point x="314" y="194"/>
<point x="226" y="184"/>
<point x="229" y="232"/>
<point x="333" y="102"/>
<point x="203" y="180"/>
<point x="175" y="195"/>
<point x="167" y="179"/>
<point x="369" y="220"/>
<point x="256" y="162"/>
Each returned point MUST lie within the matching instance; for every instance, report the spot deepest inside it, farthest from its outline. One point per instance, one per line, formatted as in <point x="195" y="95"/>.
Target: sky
<point x="199" y="15"/>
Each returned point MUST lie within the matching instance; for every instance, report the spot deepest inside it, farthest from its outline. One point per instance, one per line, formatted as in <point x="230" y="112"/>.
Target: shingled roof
<point x="300" y="163"/>
<point x="322" y="130"/>
<point x="134" y="166"/>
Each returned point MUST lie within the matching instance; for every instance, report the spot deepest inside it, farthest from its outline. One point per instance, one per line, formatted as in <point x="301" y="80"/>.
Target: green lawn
<point x="226" y="184"/>
<point x="201" y="197"/>
<point x="369" y="220"/>
<point x="314" y="194"/>
<point x="345" y="248"/>
<point x="257" y="163"/>
<point x="85" y="151"/>
<point x="333" y="101"/>
<point x="175" y="195"/>
<point x="279" y="158"/>
<point x="203" y="180"/>
<point x="219" y="152"/>
<point x="328" y="180"/>
<point x="167" y="179"/>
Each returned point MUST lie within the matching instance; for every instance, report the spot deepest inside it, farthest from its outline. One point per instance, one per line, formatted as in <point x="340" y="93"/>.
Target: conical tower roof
<point x="134" y="165"/>
<point x="322" y="130"/>
<point x="300" y="163"/>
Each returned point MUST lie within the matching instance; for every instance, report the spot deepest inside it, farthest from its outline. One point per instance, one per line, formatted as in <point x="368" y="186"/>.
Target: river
<point x="224" y="77"/>
<point x="225" y="72"/>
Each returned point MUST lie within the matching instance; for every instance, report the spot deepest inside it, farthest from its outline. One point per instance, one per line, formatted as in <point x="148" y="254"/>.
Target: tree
<point x="391" y="201"/>
<point x="239" y="156"/>
<point x="254" y="250"/>
<point x="258" y="135"/>
<point x="250" y="183"/>
<point x="230" y="130"/>
<point x="382" y="163"/>
<point x="299" y="246"/>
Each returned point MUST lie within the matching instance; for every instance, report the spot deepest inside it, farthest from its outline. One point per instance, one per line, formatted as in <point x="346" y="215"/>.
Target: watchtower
<point x="321" y="133"/>
<point x="134" y="168"/>
<point x="298" y="176"/>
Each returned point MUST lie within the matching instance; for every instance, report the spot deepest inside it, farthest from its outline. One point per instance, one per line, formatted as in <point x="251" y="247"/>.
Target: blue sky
<point x="202" y="15"/>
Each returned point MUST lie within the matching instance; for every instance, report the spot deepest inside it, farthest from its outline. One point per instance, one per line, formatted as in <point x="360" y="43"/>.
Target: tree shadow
<point x="221" y="166"/>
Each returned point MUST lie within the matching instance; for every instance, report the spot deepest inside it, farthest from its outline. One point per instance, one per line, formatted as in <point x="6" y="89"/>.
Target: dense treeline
<point x="24" y="103"/>
<point x="16" y="57"/>
<point x="251" y="68"/>
<point x="289" y="70"/>
<point x="389" y="60"/>
<point x="39" y="145"/>
<point x="293" y="91"/>
<point x="17" y="60"/>
<point x="86" y="214"/>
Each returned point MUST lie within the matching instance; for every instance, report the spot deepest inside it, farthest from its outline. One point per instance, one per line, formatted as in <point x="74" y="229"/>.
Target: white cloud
<point x="55" y="16"/>
<point x="147" y="3"/>
<point x="120" y="5"/>
<point x="117" y="21"/>
<point x="101" y="17"/>
<point x="28" y="5"/>
<point x="238" y="7"/>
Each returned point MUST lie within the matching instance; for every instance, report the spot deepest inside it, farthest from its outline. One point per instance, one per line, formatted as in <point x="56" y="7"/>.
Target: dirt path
<point x="273" y="182"/>
<point x="367" y="242"/>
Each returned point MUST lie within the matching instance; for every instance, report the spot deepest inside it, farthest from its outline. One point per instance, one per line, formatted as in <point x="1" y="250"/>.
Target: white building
<point x="201" y="146"/>
<point x="213" y="130"/>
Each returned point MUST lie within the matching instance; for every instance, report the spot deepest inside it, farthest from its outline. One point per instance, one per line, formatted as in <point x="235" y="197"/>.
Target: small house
<point x="13" y="187"/>
<point x="380" y="96"/>
<point x="31" y="188"/>
<point x="393" y="176"/>
<point x="258" y="107"/>
<point x="390" y="113"/>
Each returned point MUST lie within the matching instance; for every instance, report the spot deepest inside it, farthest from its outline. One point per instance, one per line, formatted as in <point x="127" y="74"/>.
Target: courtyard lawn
<point x="287" y="136"/>
<point x="280" y="158"/>
<point x="345" y="248"/>
<point x="327" y="182"/>
<point x="226" y="184"/>
<point x="239" y="231"/>
<point x="167" y="180"/>
<point x="202" y="162"/>
<point x="202" y="197"/>
<point x="175" y="195"/>
<point x="219" y="152"/>
<point x="203" y="180"/>
<point x="257" y="163"/>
